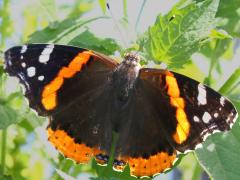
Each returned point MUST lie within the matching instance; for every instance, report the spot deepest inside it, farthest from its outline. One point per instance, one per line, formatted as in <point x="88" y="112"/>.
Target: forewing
<point x="44" y="69"/>
<point x="199" y="110"/>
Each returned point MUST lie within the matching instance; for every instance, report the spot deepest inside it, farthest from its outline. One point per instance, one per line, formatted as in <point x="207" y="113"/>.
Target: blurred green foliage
<point x="206" y="27"/>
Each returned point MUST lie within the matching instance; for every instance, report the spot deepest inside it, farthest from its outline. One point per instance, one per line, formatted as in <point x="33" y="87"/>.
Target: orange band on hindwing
<point x="150" y="166"/>
<point x="49" y="94"/>
<point x="183" y="125"/>
<point x="81" y="153"/>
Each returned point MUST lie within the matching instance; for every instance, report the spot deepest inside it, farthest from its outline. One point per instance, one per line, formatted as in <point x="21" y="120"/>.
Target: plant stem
<point x="3" y="153"/>
<point x="231" y="82"/>
<point x="112" y="151"/>
<point x="140" y="13"/>
<point x="125" y="8"/>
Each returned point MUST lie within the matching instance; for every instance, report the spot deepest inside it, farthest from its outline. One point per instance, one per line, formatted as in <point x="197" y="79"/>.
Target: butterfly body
<point x="87" y="96"/>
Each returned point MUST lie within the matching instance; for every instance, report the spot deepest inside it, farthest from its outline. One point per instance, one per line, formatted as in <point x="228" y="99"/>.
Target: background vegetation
<point x="198" y="38"/>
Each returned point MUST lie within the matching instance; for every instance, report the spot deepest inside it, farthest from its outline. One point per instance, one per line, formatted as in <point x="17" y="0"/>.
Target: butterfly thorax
<point x="125" y="75"/>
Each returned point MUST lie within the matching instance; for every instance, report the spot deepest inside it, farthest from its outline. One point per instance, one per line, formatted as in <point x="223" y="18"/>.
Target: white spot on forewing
<point x="40" y="78"/>
<point x="196" y="119"/>
<point x="211" y="147"/>
<point x="206" y="117"/>
<point x="31" y="71"/>
<point x="222" y="101"/>
<point x="23" y="64"/>
<point x="21" y="57"/>
<point x="202" y="95"/>
<point x="45" y="55"/>
<point x="24" y="49"/>
<point x="215" y="115"/>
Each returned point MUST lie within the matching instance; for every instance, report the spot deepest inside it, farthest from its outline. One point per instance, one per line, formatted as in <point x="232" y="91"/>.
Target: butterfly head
<point x="131" y="58"/>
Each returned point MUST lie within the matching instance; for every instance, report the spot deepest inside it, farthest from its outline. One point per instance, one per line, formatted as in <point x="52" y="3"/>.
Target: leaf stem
<point x="231" y="82"/>
<point x="3" y="152"/>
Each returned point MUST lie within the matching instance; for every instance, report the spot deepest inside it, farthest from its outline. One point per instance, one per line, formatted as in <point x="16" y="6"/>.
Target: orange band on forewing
<point x="50" y="101"/>
<point x="66" y="72"/>
<point x="148" y="167"/>
<point x="74" y="66"/>
<point x="52" y="87"/>
<point x="173" y="89"/>
<point x="183" y="126"/>
<point x="77" y="63"/>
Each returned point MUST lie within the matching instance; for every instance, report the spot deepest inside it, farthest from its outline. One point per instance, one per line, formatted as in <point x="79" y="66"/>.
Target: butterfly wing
<point x="168" y="112"/>
<point x="44" y="69"/>
<point x="67" y="84"/>
<point x="144" y="142"/>
<point x="199" y="110"/>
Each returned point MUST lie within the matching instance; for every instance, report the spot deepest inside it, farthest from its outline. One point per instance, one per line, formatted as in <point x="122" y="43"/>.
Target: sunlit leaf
<point x="176" y="36"/>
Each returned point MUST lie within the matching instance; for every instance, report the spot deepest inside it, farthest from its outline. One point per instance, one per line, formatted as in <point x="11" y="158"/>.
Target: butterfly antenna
<point x="117" y="26"/>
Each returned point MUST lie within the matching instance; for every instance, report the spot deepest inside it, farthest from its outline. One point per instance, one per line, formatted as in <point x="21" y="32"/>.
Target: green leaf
<point x="103" y="4"/>
<point x="7" y="116"/>
<point x="62" y="32"/>
<point x="88" y="40"/>
<point x="220" y="155"/>
<point x="230" y="12"/>
<point x="176" y="36"/>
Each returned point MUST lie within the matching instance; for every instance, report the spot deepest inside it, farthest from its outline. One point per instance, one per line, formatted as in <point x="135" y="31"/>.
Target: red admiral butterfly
<point x="88" y="96"/>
